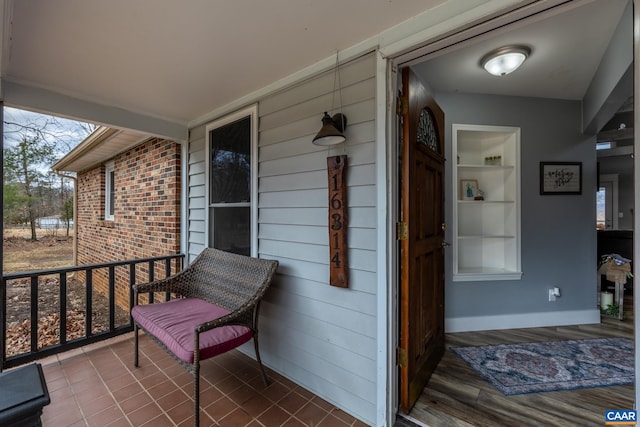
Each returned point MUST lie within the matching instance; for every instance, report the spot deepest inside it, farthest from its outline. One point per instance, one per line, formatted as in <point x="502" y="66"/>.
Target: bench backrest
<point x="225" y="279"/>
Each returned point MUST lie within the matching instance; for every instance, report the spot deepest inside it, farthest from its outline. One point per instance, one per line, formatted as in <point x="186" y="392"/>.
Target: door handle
<point x="445" y="244"/>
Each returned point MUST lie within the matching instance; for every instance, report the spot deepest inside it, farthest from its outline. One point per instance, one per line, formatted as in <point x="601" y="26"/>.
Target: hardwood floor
<point x="457" y="396"/>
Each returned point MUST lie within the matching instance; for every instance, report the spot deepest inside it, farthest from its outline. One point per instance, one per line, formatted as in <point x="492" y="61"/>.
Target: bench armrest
<point x="243" y="316"/>
<point x="162" y="285"/>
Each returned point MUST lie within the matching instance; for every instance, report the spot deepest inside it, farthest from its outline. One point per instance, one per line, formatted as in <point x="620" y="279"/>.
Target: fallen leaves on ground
<point x="18" y="339"/>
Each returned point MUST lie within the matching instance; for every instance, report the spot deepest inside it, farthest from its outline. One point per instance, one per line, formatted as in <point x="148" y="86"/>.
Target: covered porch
<point x="89" y="365"/>
<point x="97" y="385"/>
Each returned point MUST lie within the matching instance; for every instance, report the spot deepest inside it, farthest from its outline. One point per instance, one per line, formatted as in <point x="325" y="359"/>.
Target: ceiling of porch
<point x="179" y="60"/>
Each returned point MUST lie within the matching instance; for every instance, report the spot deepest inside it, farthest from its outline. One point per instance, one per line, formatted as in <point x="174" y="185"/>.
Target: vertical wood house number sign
<point x="338" y="221"/>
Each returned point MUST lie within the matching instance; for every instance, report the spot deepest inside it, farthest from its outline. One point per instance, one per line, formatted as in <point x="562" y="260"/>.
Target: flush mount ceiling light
<point x="504" y="60"/>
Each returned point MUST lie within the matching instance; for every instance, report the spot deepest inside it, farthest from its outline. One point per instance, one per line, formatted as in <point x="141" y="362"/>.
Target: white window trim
<point x="108" y="168"/>
<point x="252" y="112"/>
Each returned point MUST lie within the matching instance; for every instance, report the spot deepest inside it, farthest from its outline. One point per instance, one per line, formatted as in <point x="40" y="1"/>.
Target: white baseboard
<point x="527" y="320"/>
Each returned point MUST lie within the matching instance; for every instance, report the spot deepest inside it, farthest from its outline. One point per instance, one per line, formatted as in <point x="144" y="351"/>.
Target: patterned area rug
<point x="555" y="365"/>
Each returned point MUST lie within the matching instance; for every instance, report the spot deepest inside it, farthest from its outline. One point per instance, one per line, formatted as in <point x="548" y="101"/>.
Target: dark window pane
<point x="112" y="181"/>
<point x="232" y="229"/>
<point x="231" y="162"/>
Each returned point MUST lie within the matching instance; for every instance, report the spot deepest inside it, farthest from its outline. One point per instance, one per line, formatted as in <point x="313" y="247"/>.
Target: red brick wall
<point x="146" y="213"/>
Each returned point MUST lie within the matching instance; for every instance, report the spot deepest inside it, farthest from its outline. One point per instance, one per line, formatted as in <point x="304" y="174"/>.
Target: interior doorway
<point x="441" y="69"/>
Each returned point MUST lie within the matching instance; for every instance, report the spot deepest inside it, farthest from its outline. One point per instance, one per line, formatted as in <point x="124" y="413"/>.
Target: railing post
<point x="167" y="273"/>
<point x="63" y="308"/>
<point x="88" y="303"/>
<point x="151" y="279"/>
<point x="112" y="298"/>
<point x="34" y="314"/>
<point x="132" y="281"/>
<point x="3" y="324"/>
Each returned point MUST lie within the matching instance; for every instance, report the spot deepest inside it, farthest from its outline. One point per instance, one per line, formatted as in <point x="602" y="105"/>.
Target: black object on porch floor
<point x="24" y="394"/>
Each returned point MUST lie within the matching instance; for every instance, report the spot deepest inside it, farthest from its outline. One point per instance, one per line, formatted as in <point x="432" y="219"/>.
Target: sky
<point x="65" y="133"/>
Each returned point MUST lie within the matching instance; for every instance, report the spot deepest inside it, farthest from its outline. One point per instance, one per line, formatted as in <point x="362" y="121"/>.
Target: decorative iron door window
<point x="427" y="132"/>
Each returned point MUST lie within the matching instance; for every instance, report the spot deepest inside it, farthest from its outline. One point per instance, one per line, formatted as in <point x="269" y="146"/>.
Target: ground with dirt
<point x="50" y="250"/>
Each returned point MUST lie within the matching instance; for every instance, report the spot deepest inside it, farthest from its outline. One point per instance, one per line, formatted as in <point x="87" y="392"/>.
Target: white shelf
<point x="477" y="274"/>
<point x="487" y="232"/>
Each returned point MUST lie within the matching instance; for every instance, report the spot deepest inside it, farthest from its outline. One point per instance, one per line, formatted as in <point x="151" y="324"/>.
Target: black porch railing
<point x="121" y="274"/>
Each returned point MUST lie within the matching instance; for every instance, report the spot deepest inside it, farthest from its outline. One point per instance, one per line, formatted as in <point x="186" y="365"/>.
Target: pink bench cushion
<point x="174" y="323"/>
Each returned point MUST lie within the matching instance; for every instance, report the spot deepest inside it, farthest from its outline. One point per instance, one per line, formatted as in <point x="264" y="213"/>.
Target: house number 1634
<point x="336" y="166"/>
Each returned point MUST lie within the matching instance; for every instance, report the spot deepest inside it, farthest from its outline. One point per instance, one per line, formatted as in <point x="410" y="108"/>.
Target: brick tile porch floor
<point x="98" y="385"/>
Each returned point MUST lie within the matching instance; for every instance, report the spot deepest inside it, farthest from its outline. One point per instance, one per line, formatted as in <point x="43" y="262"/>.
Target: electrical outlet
<point x="552" y="295"/>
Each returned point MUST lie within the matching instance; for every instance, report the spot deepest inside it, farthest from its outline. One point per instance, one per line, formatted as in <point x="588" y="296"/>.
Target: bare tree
<point x="65" y="134"/>
<point x="32" y="143"/>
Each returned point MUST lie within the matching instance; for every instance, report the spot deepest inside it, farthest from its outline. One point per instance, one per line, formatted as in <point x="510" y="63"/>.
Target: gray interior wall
<point x="558" y="232"/>
<point x="613" y="82"/>
<point x="321" y="337"/>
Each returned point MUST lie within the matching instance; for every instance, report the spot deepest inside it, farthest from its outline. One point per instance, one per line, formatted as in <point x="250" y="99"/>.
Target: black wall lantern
<point x="332" y="127"/>
<point x="331" y="131"/>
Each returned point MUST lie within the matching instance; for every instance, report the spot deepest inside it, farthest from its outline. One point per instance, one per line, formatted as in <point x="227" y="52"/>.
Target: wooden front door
<point x="422" y="255"/>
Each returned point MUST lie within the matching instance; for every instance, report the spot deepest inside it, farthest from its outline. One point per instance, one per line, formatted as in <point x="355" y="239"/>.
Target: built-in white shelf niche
<point x="486" y="205"/>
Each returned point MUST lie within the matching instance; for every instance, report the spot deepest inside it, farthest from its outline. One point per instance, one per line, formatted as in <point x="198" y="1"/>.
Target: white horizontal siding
<point x="356" y="300"/>
<point x="312" y="198"/>
<point x="356" y="71"/>
<point x="197" y="187"/>
<point x="358" y="217"/>
<point x="359" y="154"/>
<point x="357" y="175"/>
<point x="330" y="341"/>
<point x="358" y="259"/>
<point x="320" y="336"/>
<point x="358" y="238"/>
<point x="196" y="227"/>
<point x="275" y="123"/>
<point x="298" y="143"/>
<point x="324" y="312"/>
<point x="339" y="385"/>
<point x="196" y="193"/>
<point x="360" y="280"/>
<point x="196" y="215"/>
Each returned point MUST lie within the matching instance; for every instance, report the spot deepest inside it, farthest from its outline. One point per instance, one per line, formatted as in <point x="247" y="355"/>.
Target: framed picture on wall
<point x="560" y="178"/>
<point x="468" y="189"/>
